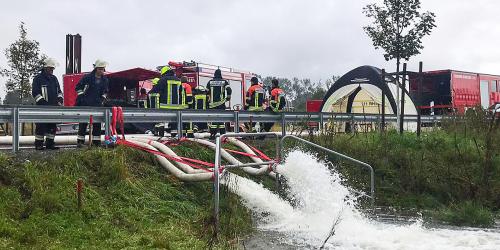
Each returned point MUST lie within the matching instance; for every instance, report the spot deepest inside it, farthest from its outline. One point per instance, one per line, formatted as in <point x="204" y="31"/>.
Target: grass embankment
<point x="453" y="172"/>
<point x="129" y="202"/>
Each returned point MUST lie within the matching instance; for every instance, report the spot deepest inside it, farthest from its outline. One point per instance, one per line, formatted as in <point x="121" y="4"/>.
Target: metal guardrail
<point x="372" y="174"/>
<point x="54" y="114"/>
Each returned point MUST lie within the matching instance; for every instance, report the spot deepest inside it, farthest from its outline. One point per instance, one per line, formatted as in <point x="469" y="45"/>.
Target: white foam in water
<point x="319" y="197"/>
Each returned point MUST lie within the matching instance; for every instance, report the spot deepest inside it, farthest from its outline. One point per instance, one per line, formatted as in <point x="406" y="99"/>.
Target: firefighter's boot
<point x="39" y="144"/>
<point x="222" y="129"/>
<point x="49" y="144"/>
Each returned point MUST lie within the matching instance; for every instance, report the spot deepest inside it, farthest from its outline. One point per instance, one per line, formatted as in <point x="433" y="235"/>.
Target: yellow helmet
<point x="155" y="81"/>
<point x="164" y="69"/>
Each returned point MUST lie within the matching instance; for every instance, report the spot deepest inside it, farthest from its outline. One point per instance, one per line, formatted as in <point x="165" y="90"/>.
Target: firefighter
<point x="200" y="102"/>
<point x="154" y="103"/>
<point x="277" y="102"/>
<point x="255" y="98"/>
<point x="219" y="93"/>
<point x="46" y="91"/>
<point x="187" y="102"/>
<point x="142" y="99"/>
<point x="168" y="94"/>
<point x="92" y="90"/>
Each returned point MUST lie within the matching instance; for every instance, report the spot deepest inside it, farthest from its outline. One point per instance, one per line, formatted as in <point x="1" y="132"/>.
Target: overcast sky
<point x="285" y="38"/>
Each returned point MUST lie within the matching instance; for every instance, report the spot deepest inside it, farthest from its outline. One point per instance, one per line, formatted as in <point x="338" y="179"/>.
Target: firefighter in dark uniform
<point x="255" y="98"/>
<point x="154" y="103"/>
<point x="92" y="90"/>
<point x="46" y="91"/>
<point x="219" y="93"/>
<point x="187" y="102"/>
<point x="277" y="102"/>
<point x="142" y="99"/>
<point x="168" y="94"/>
<point x="200" y="102"/>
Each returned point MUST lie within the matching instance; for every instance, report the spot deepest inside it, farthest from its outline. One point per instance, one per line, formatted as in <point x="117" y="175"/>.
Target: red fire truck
<point x="125" y="85"/>
<point x="447" y="91"/>
<point x="201" y="73"/>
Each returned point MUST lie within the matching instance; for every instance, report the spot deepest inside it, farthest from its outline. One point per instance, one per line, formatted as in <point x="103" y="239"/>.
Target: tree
<point x="298" y="91"/>
<point x="398" y="28"/>
<point x="24" y="60"/>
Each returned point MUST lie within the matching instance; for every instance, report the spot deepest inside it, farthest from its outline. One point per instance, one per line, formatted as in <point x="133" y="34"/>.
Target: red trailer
<point x="124" y="86"/>
<point x="447" y="91"/>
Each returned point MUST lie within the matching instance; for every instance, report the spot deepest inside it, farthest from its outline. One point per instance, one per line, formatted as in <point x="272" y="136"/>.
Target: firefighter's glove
<point x="42" y="102"/>
<point x="60" y="101"/>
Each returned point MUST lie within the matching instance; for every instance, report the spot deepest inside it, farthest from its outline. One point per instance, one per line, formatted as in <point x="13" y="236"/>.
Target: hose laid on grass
<point x="166" y="150"/>
<point x="170" y="167"/>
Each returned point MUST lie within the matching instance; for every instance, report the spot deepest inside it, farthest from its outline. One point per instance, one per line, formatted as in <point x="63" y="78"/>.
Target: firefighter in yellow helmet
<point x="168" y="94"/>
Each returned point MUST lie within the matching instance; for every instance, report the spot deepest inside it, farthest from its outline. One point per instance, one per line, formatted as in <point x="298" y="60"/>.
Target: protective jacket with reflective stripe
<point x="219" y="92"/>
<point x="278" y="100"/>
<point x="170" y="90"/>
<point x="187" y="100"/>
<point x="91" y="91"/>
<point x="255" y="98"/>
<point x="46" y="87"/>
<point x="200" y="100"/>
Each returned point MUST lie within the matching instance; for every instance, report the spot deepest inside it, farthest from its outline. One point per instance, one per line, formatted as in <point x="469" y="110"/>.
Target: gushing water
<point x="318" y="198"/>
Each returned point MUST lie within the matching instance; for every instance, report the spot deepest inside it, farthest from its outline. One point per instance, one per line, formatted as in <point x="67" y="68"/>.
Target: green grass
<point x="466" y="213"/>
<point x="129" y="202"/>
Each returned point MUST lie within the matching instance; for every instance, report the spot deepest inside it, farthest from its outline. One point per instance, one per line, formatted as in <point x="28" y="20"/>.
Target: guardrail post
<point x="217" y="167"/>
<point x="15" y="129"/>
<point x="419" y="110"/>
<point x="382" y="123"/>
<point x="236" y="121"/>
<point x="283" y="124"/>
<point x="216" y="183"/>
<point x="321" y="122"/>
<point x="107" y="122"/>
<point x="402" y="105"/>
<point x="179" y="125"/>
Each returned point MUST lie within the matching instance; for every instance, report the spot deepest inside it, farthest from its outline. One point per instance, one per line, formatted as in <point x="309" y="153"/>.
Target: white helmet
<point x="100" y="64"/>
<point x="50" y="63"/>
<point x="200" y="88"/>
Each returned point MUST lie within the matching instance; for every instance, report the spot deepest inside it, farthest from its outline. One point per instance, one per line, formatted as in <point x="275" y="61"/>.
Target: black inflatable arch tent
<point x="363" y="75"/>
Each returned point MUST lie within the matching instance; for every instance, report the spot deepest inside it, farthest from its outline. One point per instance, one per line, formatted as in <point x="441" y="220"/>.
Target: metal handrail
<point x="217" y="166"/>
<point x="372" y="174"/>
